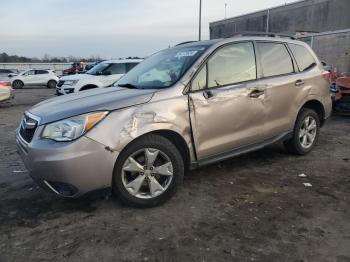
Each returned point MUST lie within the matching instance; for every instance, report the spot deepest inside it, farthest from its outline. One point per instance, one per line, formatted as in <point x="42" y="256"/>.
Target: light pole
<point x="200" y="20"/>
<point x="225" y="10"/>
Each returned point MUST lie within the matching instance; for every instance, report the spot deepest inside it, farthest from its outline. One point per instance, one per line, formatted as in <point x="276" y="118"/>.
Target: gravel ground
<point x="250" y="208"/>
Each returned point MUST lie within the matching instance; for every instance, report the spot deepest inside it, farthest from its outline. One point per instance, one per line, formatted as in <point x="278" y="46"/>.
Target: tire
<point x="168" y="156"/>
<point x="297" y="145"/>
<point x="17" y="84"/>
<point x="51" y="84"/>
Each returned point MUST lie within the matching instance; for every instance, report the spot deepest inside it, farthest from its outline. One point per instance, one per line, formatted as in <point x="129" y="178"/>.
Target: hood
<point x="99" y="99"/>
<point x="76" y="77"/>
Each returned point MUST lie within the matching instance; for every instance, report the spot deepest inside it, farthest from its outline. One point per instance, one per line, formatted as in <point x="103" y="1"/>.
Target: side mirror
<point x="107" y="73"/>
<point x="10" y="75"/>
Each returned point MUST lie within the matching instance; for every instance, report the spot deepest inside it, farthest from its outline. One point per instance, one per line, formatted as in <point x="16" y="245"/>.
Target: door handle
<point x="256" y="93"/>
<point x="299" y="83"/>
<point x="208" y="94"/>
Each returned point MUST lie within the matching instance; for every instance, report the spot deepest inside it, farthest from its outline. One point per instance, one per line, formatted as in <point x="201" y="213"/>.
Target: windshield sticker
<point x="185" y="53"/>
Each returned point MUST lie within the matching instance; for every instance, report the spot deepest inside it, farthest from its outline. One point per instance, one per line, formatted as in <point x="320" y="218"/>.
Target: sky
<point x="109" y="28"/>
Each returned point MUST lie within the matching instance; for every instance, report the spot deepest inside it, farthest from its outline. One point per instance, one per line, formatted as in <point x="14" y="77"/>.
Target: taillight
<point x="326" y="75"/>
<point x="5" y="83"/>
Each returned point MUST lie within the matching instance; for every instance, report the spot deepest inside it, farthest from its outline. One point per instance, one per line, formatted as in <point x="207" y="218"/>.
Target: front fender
<point x="123" y="126"/>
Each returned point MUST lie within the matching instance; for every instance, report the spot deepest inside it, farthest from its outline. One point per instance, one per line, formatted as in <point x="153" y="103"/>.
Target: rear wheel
<point x="17" y="84"/>
<point x="51" y="84"/>
<point x="306" y="132"/>
<point x="148" y="172"/>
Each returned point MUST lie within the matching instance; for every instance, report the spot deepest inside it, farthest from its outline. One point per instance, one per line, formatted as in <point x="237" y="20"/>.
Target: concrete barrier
<point x="59" y="67"/>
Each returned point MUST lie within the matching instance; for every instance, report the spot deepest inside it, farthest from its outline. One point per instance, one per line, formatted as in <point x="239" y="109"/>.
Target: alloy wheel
<point x="308" y="132"/>
<point x="147" y="173"/>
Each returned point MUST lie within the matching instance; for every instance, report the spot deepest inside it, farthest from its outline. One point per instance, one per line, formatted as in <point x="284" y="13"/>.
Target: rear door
<point x="41" y="77"/>
<point x="278" y="71"/>
<point x="227" y="103"/>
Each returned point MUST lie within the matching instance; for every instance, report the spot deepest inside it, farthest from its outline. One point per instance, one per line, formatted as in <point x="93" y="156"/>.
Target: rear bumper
<point x="68" y="169"/>
<point x="6" y="94"/>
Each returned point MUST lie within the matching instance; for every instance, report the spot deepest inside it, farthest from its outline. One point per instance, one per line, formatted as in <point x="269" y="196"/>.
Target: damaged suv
<point x="182" y="108"/>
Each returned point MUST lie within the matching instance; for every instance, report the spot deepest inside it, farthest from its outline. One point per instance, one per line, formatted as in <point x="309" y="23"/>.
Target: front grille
<point x="60" y="83"/>
<point x="27" y="129"/>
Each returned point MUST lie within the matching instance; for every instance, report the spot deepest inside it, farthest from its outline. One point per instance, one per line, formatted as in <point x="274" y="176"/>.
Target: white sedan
<point x="6" y="92"/>
<point x="35" y="77"/>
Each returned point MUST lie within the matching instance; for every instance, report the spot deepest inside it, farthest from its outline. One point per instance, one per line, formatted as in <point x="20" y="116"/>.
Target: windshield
<point x="98" y="69"/>
<point x="162" y="69"/>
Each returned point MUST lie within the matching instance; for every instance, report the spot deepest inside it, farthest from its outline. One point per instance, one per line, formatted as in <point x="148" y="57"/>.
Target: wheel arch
<point x="318" y="107"/>
<point x="88" y="86"/>
<point x="174" y="137"/>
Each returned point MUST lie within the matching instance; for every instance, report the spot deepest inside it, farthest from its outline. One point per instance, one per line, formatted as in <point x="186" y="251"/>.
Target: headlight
<point x="72" y="128"/>
<point x="71" y="82"/>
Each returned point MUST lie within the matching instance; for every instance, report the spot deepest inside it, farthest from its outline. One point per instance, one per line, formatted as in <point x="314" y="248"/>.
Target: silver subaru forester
<point x="182" y="108"/>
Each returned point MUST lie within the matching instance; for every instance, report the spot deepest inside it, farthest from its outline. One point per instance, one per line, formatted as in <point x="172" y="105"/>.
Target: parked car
<point x="90" y="66"/>
<point x="103" y="74"/>
<point x="35" y="77"/>
<point x="6" y="92"/>
<point x="74" y="68"/>
<point x="182" y="108"/>
<point x="8" y="72"/>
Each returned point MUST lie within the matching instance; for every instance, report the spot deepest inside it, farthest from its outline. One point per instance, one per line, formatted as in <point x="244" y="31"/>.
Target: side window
<point x="200" y="81"/>
<point x="232" y="64"/>
<point x="41" y="72"/>
<point x="275" y="59"/>
<point x="30" y="73"/>
<point x="116" y="69"/>
<point x="130" y="66"/>
<point x="304" y="59"/>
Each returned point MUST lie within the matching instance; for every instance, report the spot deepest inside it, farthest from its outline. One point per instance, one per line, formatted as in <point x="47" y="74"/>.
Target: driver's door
<point x="112" y="73"/>
<point x="29" y="77"/>
<point x="226" y="101"/>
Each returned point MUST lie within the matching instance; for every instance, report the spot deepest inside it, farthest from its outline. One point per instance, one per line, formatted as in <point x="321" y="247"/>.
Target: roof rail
<point x="267" y="34"/>
<point x="187" y="42"/>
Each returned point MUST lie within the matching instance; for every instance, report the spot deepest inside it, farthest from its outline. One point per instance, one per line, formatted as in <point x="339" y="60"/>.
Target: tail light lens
<point x="5" y="84"/>
<point x="326" y="75"/>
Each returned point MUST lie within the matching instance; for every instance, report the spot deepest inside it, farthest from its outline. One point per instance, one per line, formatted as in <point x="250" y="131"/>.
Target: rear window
<point x="303" y="57"/>
<point x="275" y="59"/>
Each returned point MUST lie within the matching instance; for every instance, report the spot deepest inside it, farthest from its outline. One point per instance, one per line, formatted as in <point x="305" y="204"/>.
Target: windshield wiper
<point x="130" y="86"/>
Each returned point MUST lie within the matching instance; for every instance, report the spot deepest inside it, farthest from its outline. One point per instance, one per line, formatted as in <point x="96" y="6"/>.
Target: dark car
<point x="8" y="72"/>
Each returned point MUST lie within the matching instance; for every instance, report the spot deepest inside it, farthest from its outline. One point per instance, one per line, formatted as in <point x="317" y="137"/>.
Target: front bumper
<point x="69" y="169"/>
<point x="64" y="90"/>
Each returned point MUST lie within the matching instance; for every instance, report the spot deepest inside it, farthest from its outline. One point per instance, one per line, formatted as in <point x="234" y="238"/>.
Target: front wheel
<point x="306" y="132"/>
<point x="148" y="172"/>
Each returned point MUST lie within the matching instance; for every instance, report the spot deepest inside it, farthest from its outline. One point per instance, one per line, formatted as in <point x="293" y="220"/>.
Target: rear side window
<point x="117" y="68"/>
<point x="231" y="64"/>
<point x="275" y="59"/>
<point x="41" y="72"/>
<point x="303" y="57"/>
<point x="130" y="66"/>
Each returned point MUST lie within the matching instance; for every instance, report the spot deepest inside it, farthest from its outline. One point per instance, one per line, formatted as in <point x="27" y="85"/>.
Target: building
<point x="321" y="23"/>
